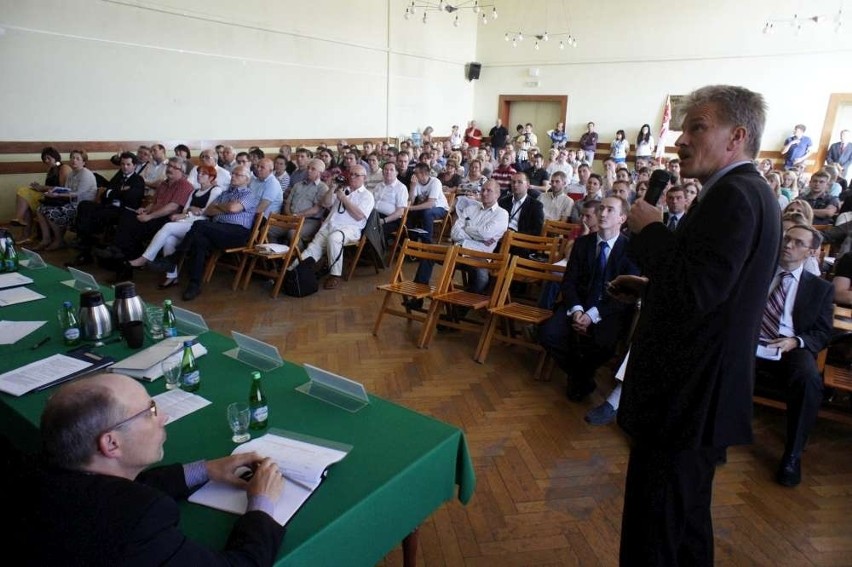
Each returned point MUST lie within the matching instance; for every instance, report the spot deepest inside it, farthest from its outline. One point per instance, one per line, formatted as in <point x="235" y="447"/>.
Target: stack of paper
<point x="145" y="364"/>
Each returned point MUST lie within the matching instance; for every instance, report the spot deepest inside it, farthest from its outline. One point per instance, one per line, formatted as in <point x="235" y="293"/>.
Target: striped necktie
<point x="775" y="308"/>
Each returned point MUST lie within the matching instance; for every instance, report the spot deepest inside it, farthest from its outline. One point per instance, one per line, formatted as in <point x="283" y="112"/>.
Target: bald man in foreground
<point x="92" y="504"/>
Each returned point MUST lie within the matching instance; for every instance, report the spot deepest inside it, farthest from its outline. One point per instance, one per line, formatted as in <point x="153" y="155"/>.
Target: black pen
<point x="40" y="343"/>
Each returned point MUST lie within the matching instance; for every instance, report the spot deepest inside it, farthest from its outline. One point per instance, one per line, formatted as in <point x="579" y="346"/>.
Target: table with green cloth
<point x="402" y="466"/>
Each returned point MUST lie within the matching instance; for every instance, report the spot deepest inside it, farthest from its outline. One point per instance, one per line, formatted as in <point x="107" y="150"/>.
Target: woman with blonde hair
<point x="790" y="183"/>
<point x="801" y="206"/>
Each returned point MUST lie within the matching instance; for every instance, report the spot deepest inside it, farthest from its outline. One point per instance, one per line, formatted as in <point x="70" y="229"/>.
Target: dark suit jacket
<point x="690" y="377"/>
<point x="836" y="156"/>
<point x="130" y="197"/>
<point x="813" y="312"/>
<point x="530" y="216"/>
<point x="91" y="519"/>
<point x="577" y="287"/>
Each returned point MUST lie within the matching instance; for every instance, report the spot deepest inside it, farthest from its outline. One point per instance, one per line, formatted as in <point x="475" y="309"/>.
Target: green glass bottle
<point x="257" y="403"/>
<point x="70" y="328"/>
<point x="169" y="321"/>
<point x="190" y="376"/>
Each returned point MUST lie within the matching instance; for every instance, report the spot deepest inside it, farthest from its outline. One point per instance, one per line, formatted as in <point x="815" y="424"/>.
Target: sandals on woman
<point x="169" y="282"/>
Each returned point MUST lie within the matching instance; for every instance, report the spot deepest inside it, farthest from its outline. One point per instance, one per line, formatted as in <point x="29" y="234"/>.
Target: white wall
<point x="218" y="69"/>
<point x="630" y="55"/>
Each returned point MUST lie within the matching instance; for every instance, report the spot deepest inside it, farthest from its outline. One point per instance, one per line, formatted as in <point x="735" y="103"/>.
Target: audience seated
<point x="60" y="210"/>
<point x="29" y="198"/>
<point x="587" y="324"/>
<point x="391" y="198"/>
<point x="557" y="205"/>
<point x="229" y="158"/>
<point x="172" y="233"/>
<point x="305" y="199"/>
<point x="526" y="213"/>
<point x="427" y="203"/>
<point x="349" y="207"/>
<point x="538" y="175"/>
<point x="797" y="324"/>
<point x="125" y="191"/>
<point x="503" y="174"/>
<point x="154" y="171"/>
<point x="231" y="216"/>
<point x="208" y="158"/>
<point x="825" y="207"/>
<point x="593" y="192"/>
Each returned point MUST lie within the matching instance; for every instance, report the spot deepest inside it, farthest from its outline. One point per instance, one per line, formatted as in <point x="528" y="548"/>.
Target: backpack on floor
<point x="302" y="280"/>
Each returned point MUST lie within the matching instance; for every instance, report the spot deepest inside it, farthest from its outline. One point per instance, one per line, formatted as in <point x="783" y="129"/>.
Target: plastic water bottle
<point x="257" y="403"/>
<point x="190" y="376"/>
<point x="10" y="261"/>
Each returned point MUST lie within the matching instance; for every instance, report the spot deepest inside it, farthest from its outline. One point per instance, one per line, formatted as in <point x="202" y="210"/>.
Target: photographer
<point x="349" y="206"/>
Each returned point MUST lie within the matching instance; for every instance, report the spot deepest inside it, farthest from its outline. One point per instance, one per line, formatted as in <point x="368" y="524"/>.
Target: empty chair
<point x="272" y="261"/>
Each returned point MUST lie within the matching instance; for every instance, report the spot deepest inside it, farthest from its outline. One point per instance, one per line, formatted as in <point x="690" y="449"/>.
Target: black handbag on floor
<point x="302" y="280"/>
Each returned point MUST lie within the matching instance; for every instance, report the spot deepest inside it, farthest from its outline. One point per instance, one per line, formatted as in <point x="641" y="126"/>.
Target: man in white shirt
<point x="155" y="172"/>
<point x="427" y="202"/>
<point x="391" y="199"/>
<point x="480" y="226"/>
<point x="557" y="205"/>
<point x="223" y="176"/>
<point x="229" y="158"/>
<point x="578" y="190"/>
<point x="349" y="208"/>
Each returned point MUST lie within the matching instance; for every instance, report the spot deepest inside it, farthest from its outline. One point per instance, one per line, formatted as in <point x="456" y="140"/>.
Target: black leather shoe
<point x="109" y="253"/>
<point x="789" y="471"/>
<point x="413" y="304"/>
<point x="579" y="389"/>
<point x="169" y="282"/>
<point x="191" y="292"/>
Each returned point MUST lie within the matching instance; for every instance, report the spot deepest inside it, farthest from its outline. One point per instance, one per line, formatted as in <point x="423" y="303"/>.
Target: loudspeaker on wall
<point x="472" y="70"/>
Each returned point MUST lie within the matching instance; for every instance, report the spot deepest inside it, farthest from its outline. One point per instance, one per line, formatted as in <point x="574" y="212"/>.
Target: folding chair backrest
<point x="494" y="262"/>
<point x="284" y="223"/>
<point x="564" y="231"/>
<point x="547" y="246"/>
<point x="418" y="251"/>
<point x="522" y="269"/>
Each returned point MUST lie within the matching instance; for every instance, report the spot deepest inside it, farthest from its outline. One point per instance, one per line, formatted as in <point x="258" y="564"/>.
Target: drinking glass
<point x="154" y="321"/>
<point x="238" y="419"/>
<point x="171" y="371"/>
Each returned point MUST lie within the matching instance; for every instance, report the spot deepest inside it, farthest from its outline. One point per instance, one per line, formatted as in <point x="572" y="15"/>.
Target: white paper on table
<point x="13" y="331"/>
<point x="21" y="380"/>
<point x="302" y="464"/>
<point x="177" y="403"/>
<point x="14" y="279"/>
<point x="18" y="295"/>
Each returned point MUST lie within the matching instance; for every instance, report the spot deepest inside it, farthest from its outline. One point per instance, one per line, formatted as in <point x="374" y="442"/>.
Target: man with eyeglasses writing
<point x="92" y="504"/>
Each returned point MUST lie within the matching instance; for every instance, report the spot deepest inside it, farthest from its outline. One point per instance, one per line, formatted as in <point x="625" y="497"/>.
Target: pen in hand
<point x="40" y="343"/>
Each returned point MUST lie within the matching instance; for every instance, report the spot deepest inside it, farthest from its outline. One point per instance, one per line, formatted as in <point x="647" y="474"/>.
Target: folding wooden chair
<point x="398" y="236"/>
<point x="401" y="286"/>
<point x="565" y="231"/>
<point x="272" y="264"/>
<point x="544" y="247"/>
<point x="507" y="312"/>
<point x="441" y="225"/>
<point x="453" y="296"/>
<point x="233" y="254"/>
<point x="359" y="249"/>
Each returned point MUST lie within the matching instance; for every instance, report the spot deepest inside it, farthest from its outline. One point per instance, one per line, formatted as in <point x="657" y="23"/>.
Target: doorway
<point x="543" y="111"/>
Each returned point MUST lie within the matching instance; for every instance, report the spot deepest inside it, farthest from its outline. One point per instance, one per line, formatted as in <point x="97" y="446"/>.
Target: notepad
<point x="145" y="364"/>
<point x="303" y="460"/>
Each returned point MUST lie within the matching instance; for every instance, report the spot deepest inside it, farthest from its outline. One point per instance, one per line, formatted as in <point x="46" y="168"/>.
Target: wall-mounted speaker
<point x="471" y="71"/>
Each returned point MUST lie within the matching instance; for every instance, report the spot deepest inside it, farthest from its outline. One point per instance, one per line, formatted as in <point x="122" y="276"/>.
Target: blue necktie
<point x="600" y="273"/>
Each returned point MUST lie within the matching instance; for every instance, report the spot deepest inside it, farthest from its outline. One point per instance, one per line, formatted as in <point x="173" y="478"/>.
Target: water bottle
<point x="190" y="376"/>
<point x="169" y="321"/>
<point x="70" y="328"/>
<point x="257" y="403"/>
<point x="10" y="261"/>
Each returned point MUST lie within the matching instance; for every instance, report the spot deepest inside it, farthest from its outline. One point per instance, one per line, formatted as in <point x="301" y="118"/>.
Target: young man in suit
<point x="586" y="325"/>
<point x="94" y="503"/>
<point x="688" y="387"/>
<point x="526" y="213"/>
<point x="797" y="321"/>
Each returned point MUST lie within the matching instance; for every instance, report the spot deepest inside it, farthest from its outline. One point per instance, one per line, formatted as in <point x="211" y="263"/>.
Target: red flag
<point x="664" y="128"/>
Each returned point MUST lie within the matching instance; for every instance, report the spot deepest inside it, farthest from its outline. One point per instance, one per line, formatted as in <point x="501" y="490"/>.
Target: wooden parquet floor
<point x="549" y="486"/>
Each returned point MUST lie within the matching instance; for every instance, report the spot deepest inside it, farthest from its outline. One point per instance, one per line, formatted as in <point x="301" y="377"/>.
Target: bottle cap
<point x="187" y="344"/>
<point x="255" y="374"/>
<point x="167" y="302"/>
<point x="67" y="304"/>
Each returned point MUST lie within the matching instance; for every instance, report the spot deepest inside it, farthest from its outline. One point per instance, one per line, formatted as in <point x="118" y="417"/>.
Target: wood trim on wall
<point x="834" y="103"/>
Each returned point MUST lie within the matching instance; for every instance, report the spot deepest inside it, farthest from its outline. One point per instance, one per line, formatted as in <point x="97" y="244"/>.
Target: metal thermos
<point x="94" y="317"/>
<point x="127" y="305"/>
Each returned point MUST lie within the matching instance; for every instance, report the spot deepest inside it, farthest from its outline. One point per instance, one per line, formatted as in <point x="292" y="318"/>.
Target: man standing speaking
<point x="688" y="388"/>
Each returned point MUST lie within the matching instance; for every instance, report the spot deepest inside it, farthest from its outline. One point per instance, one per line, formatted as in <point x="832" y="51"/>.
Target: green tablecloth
<point x="402" y="467"/>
